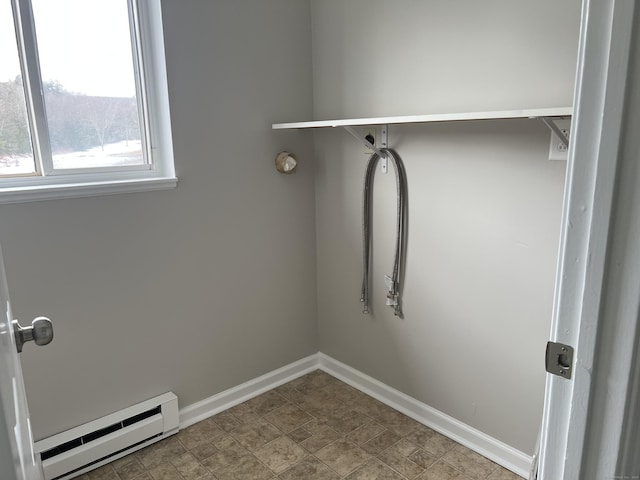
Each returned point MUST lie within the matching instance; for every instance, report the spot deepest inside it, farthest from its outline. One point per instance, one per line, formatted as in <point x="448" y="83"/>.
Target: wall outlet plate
<point x="557" y="149"/>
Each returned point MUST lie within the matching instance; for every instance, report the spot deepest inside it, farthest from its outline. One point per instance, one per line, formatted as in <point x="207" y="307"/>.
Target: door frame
<point x="579" y="439"/>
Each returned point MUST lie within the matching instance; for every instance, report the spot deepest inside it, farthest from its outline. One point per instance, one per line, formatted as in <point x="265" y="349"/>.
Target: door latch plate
<point x="559" y="359"/>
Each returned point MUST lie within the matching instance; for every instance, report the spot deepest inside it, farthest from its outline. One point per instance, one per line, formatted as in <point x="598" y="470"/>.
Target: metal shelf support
<point x="550" y="122"/>
<point x="363" y="140"/>
<point x="383" y="142"/>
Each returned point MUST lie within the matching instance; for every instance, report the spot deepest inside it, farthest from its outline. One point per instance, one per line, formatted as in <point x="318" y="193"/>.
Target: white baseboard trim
<point x="493" y="449"/>
<point x="487" y="446"/>
<point x="208" y="407"/>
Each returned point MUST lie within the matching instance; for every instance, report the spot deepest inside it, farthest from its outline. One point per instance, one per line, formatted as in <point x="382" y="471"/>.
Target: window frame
<point x="145" y="20"/>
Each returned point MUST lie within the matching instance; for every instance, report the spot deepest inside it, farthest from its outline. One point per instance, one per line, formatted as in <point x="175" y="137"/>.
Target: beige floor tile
<point x="358" y="399"/>
<point x="205" y="431"/>
<point x="128" y="468"/>
<point x="375" y="470"/>
<point x="120" y="462"/>
<point x="267" y="402"/>
<point x="225" y="460"/>
<point x="281" y="454"/>
<point x="431" y="441"/>
<point x="243" y="413"/>
<point x="369" y="405"/>
<point x="381" y="442"/>
<point x="394" y="458"/>
<point x="255" y="435"/>
<point x="378" y="410"/>
<point x="247" y="468"/>
<point x="398" y="423"/>
<point x="347" y="421"/>
<point x="313" y="428"/>
<point x="343" y="456"/>
<point x="321" y="404"/>
<point x="299" y="434"/>
<point x="164" y="471"/>
<point x="160" y="452"/>
<point x="313" y="381"/>
<point x="422" y="458"/>
<point x="203" y="451"/>
<point x="309" y="468"/>
<point x="321" y="411"/>
<point x="302" y="384"/>
<point x="288" y="417"/>
<point x="226" y="421"/>
<point x="442" y="471"/>
<point x="470" y="463"/>
<point x="144" y="476"/>
<point x="405" y="447"/>
<point x="291" y="394"/>
<point x="321" y="437"/>
<point x="106" y="472"/>
<point x="189" y="467"/>
<point x="365" y="433"/>
<point x="503" y="474"/>
<point x="344" y="393"/>
<point x="225" y="443"/>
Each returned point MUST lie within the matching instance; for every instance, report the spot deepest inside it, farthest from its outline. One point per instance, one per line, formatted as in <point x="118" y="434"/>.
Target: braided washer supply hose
<point x="393" y="282"/>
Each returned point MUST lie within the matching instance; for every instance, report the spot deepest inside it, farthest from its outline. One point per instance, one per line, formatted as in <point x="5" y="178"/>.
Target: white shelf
<point x="438" y="117"/>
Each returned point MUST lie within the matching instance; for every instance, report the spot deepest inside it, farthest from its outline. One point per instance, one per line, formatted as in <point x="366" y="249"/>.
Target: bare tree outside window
<point x="87" y="68"/>
<point x="16" y="154"/>
<point x="88" y="84"/>
<point x="82" y="98"/>
<point x="88" y="130"/>
<point x="14" y="127"/>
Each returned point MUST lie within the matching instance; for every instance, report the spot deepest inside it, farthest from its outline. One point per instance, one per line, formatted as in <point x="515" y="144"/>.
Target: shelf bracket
<point x="384" y="137"/>
<point x="550" y="122"/>
<point x="383" y="143"/>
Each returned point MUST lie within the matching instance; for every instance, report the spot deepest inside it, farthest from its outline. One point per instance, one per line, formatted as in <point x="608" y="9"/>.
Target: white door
<point x="17" y="459"/>
<point x="587" y="430"/>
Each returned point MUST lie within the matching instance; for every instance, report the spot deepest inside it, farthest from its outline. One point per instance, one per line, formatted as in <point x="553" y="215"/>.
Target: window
<point x="83" y="99"/>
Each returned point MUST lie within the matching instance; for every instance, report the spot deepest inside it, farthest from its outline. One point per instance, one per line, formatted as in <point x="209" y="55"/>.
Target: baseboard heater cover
<point x="83" y="448"/>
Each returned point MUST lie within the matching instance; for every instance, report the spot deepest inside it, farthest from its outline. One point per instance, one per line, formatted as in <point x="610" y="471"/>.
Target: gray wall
<point x="484" y="201"/>
<point x="196" y="289"/>
<point x="387" y="57"/>
<point x="200" y="288"/>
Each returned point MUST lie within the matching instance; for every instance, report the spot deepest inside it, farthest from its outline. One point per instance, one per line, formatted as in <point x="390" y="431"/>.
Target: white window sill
<point x="32" y="193"/>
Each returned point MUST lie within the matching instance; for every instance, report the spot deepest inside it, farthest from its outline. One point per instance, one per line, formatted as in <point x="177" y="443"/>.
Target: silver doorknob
<point x="40" y="332"/>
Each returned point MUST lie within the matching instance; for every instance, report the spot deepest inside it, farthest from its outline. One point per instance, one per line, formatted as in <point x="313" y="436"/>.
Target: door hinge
<point x="559" y="359"/>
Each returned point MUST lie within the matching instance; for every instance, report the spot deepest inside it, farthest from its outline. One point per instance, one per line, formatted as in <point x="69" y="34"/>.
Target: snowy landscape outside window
<point x="83" y="98"/>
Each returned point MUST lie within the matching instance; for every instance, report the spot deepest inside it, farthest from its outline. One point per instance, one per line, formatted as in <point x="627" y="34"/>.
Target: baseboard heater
<point x="89" y="446"/>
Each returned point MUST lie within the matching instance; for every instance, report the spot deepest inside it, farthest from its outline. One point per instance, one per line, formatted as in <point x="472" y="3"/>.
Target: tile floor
<point x="313" y="428"/>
